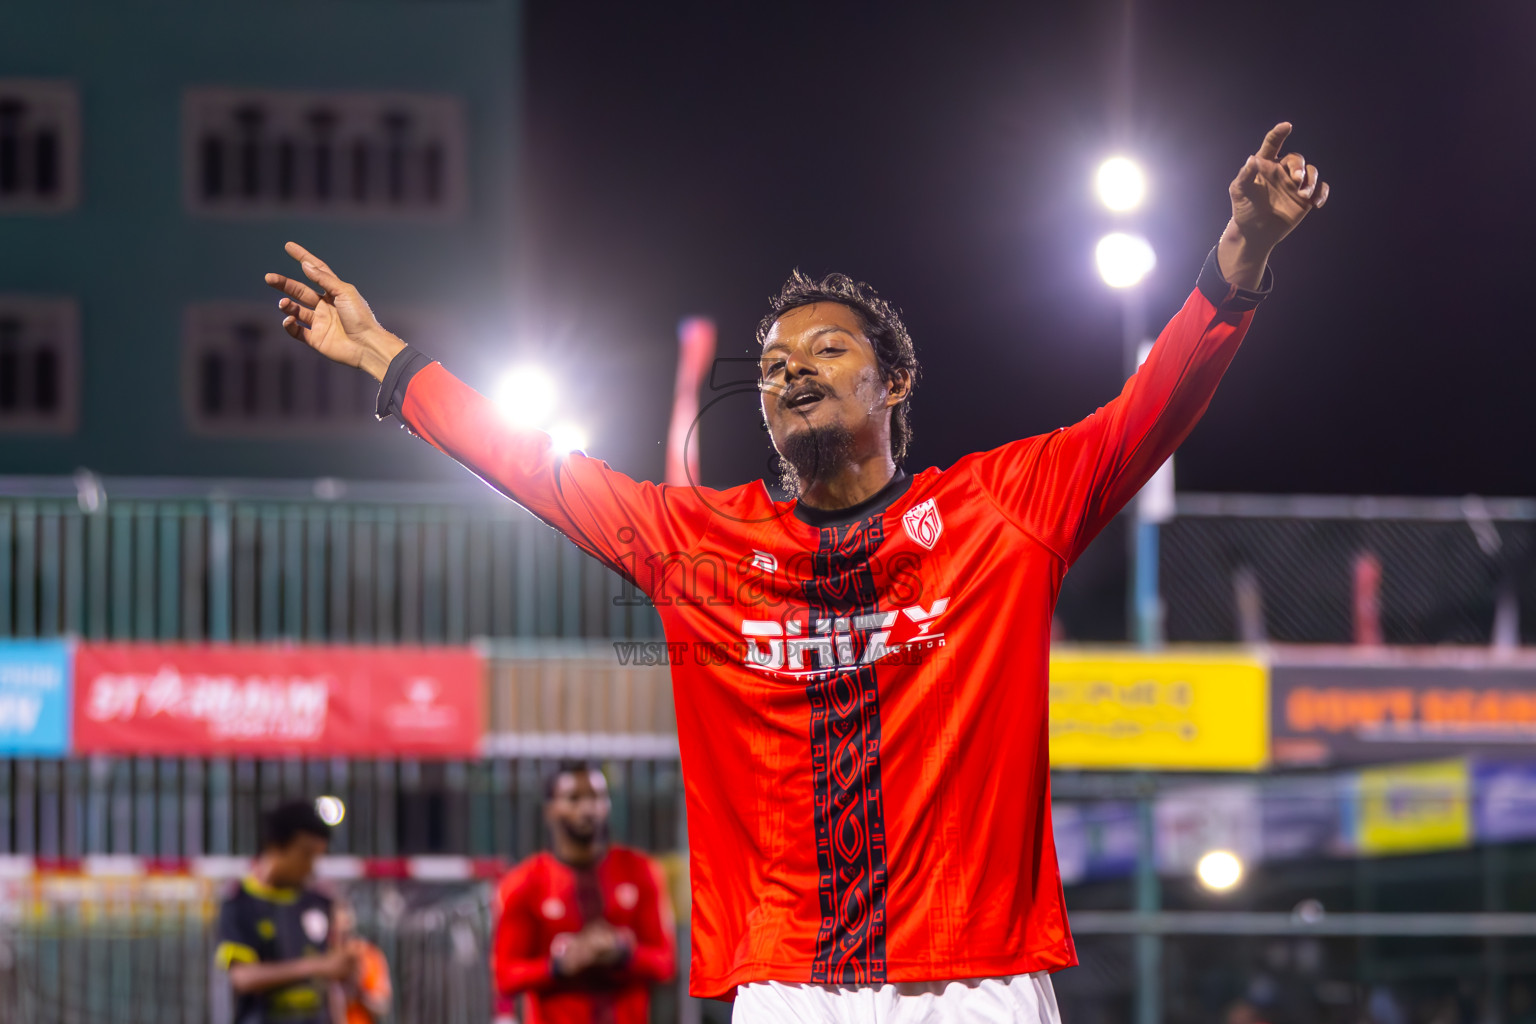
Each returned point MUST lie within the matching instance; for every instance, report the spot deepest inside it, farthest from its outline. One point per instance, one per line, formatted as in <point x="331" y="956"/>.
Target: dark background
<point x="682" y="158"/>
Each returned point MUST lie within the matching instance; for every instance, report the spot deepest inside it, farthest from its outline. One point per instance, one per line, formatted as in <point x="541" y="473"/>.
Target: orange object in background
<point x="695" y="351"/>
<point x="1367" y="603"/>
<point x="372" y="983"/>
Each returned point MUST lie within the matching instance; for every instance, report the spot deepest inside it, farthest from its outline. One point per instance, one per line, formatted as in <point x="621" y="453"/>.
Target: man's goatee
<point x="810" y="455"/>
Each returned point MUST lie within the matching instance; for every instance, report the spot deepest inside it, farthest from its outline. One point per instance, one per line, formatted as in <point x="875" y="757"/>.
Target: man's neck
<point x="856" y="482"/>
<point x="261" y="871"/>
<point x="578" y="855"/>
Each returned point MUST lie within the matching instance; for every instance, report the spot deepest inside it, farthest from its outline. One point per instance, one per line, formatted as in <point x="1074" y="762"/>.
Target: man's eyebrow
<point x="824" y="329"/>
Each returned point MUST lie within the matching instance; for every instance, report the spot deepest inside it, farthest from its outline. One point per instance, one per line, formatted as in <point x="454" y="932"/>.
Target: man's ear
<point x="899" y="387"/>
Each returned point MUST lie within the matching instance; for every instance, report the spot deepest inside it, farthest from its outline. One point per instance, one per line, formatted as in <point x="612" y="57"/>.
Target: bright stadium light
<point x="526" y="396"/>
<point x="1124" y="259"/>
<point x="567" y="437"/>
<point x="330" y="809"/>
<point x="1219" y="870"/>
<point x="1120" y="184"/>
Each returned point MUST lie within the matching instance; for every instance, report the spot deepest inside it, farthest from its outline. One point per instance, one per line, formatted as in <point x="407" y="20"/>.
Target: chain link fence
<point x="1297" y="569"/>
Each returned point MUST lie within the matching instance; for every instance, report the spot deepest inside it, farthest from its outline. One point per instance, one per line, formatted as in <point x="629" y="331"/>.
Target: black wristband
<point x="1229" y="297"/>
<point x="408" y="362"/>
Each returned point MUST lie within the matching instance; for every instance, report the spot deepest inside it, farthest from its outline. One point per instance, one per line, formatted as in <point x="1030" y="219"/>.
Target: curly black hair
<point x="283" y="824"/>
<point x="882" y="326"/>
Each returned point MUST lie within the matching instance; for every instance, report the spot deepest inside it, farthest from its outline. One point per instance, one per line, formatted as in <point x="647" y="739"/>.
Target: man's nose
<point x="798" y="365"/>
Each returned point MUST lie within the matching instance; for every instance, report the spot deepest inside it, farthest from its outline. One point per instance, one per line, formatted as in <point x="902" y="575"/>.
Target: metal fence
<point x="150" y="559"/>
<point x="134" y="558"/>
<point x="74" y="951"/>
<point x="176" y="808"/>
<point x="79" y="950"/>
<point x="1298" y="569"/>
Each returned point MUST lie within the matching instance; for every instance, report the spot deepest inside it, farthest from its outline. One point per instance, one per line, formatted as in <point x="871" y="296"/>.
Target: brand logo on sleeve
<point x="923" y="524"/>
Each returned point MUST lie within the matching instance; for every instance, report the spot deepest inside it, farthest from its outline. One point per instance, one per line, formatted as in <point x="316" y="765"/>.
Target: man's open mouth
<point x="803" y="400"/>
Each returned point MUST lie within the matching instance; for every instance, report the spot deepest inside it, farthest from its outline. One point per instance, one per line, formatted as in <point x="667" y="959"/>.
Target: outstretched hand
<point x="334" y="320"/>
<point x="1270" y="196"/>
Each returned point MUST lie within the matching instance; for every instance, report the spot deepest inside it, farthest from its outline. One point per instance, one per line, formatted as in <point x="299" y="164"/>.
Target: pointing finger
<point x="300" y="253"/>
<point x="314" y="267"/>
<point x="1274" y="140"/>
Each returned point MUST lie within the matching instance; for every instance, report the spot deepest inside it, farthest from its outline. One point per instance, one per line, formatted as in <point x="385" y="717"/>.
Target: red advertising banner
<point x="271" y="700"/>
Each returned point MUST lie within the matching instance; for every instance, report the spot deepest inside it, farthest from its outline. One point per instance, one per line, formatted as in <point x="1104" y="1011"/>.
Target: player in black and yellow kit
<point x="275" y="934"/>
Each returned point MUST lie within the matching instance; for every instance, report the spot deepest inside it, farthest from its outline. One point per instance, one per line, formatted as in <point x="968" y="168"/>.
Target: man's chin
<point x="812" y="450"/>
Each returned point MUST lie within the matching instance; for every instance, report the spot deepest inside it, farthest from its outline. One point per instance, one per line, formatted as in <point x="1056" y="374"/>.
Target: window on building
<point x="39" y="364"/>
<point x="383" y="155"/>
<point x="39" y="146"/>
<point x="243" y="375"/>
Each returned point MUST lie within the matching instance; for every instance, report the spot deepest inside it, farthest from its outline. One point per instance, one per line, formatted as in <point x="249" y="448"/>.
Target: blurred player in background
<point x="365" y="995"/>
<point x="584" y="930"/>
<point x="862" y="697"/>
<point x="275" y="934"/>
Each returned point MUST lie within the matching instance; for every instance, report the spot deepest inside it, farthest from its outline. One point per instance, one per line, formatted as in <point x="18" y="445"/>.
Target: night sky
<point x="683" y="157"/>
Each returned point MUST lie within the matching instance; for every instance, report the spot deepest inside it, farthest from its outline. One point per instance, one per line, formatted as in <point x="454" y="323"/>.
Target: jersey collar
<point x="270" y="893"/>
<point x="877" y="502"/>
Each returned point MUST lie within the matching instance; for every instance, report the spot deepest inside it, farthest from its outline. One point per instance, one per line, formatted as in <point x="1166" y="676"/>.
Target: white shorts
<point x="1021" y="999"/>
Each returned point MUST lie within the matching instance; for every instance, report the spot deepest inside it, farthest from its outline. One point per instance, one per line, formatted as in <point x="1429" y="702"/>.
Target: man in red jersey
<point x="583" y="931"/>
<point x="861" y="711"/>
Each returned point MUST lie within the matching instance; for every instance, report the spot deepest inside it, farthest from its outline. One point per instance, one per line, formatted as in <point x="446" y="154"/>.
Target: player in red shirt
<point x="861" y="701"/>
<point x="583" y="931"/>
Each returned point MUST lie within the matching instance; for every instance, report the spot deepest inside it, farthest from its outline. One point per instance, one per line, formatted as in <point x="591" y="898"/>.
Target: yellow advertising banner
<point x="1411" y="808"/>
<point x="1183" y="711"/>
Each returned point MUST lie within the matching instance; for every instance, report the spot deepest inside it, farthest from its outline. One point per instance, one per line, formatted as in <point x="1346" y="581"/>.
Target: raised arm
<point x="1064" y="487"/>
<point x="621" y="521"/>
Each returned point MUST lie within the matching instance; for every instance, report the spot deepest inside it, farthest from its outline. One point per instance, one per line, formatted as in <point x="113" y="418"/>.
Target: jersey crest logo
<point x="553" y="908"/>
<point x="923" y="524"/>
<point x="765" y="562"/>
<point x="627" y="895"/>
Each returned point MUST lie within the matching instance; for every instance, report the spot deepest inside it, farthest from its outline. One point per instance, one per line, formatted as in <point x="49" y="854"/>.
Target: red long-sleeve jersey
<point x="542" y="899"/>
<point x="861" y="695"/>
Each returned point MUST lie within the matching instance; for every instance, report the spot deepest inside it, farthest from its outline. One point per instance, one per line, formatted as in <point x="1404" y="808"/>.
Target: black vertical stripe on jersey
<point x="845" y="762"/>
<point x="589" y="906"/>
